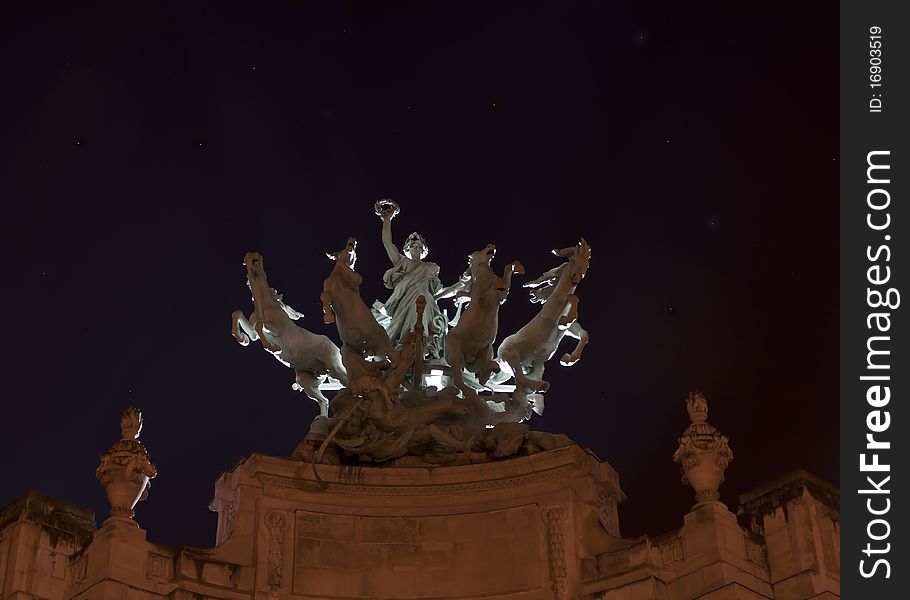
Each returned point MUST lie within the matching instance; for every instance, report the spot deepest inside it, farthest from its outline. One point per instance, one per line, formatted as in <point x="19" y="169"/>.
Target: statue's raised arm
<point x="386" y="209"/>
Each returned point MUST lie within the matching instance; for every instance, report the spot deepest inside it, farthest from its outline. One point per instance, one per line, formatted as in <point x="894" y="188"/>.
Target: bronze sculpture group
<point x="396" y="358"/>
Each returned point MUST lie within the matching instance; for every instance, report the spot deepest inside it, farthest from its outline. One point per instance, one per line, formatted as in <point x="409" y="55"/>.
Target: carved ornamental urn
<point x="703" y="453"/>
<point x="125" y="469"/>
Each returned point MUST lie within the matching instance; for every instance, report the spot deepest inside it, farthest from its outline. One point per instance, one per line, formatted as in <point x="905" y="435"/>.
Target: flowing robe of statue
<point x="409" y="279"/>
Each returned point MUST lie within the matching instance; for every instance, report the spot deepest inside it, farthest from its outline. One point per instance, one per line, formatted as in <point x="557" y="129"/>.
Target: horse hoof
<point x="567" y="360"/>
<point x="536" y="404"/>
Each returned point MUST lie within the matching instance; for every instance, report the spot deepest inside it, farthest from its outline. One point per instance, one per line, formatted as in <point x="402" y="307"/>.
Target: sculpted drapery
<point x="409" y="279"/>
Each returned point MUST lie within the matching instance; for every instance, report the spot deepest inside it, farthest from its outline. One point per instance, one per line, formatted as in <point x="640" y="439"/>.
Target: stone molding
<point x="767" y="498"/>
<point x="583" y="460"/>
<point x="416" y="490"/>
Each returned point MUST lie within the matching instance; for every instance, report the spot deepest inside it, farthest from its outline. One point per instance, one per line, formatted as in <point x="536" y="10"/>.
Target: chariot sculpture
<point x="409" y="381"/>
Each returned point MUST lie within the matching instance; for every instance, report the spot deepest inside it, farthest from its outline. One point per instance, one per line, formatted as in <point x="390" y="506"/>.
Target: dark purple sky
<point x="144" y="152"/>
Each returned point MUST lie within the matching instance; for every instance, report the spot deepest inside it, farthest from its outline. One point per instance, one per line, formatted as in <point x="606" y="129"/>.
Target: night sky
<point x="146" y="148"/>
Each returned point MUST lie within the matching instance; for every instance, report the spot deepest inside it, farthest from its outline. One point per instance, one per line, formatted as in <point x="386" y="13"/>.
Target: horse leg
<point x="510" y="352"/>
<point x="455" y="358"/>
<point x="476" y="405"/>
<point x="569" y="313"/>
<point x="265" y="342"/>
<point x="513" y="267"/>
<point x="531" y="382"/>
<point x="383" y="348"/>
<point x="336" y="367"/>
<point x="535" y="376"/>
<point x="577" y="332"/>
<point x="354" y="365"/>
<point x="327" y="316"/>
<point x="487" y="365"/>
<point x="518" y="407"/>
<point x="242" y="329"/>
<point x="308" y="383"/>
<point x="509" y="356"/>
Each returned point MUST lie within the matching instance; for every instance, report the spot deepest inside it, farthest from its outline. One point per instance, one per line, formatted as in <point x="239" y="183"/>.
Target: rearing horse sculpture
<point x="542" y="287"/>
<point x="342" y="304"/>
<point x="311" y="356"/>
<point x="527" y="350"/>
<point x="469" y="344"/>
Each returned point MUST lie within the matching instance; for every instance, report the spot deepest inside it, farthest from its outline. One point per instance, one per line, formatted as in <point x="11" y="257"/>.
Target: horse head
<point x="482" y="257"/>
<point x="578" y="262"/>
<point x="253" y="263"/>
<point x="349" y="253"/>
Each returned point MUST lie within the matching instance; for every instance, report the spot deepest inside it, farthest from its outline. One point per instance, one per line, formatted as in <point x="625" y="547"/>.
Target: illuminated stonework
<point x="539" y="527"/>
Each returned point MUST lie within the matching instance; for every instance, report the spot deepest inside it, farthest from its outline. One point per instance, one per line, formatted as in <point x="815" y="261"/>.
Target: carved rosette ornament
<point x="125" y="469"/>
<point x="703" y="453"/>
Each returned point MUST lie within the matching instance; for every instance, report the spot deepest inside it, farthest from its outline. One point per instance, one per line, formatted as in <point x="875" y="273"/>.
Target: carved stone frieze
<point x="671" y="552"/>
<point x="276" y="523"/>
<point x="554" y="517"/>
<point x="351" y="473"/>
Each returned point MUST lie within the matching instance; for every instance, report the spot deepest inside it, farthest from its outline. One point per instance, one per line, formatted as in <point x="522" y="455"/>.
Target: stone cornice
<point x="386" y="480"/>
<point x="767" y="498"/>
<point x="415" y="490"/>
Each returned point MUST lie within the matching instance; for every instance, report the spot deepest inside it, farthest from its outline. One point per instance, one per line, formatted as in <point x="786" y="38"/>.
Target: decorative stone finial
<point x="697" y="407"/>
<point x="126" y="469"/>
<point x="703" y="453"/>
